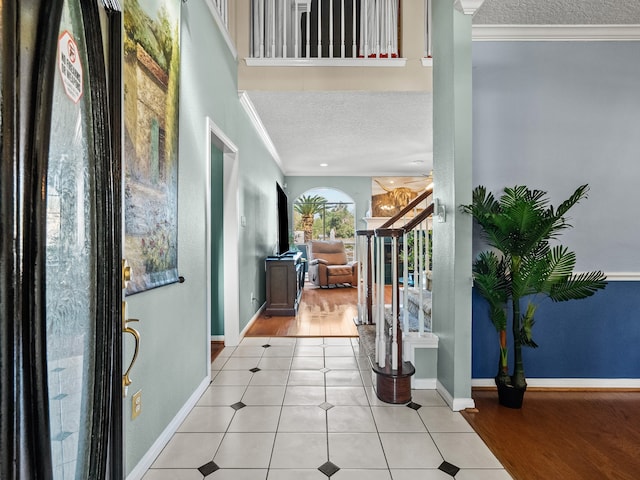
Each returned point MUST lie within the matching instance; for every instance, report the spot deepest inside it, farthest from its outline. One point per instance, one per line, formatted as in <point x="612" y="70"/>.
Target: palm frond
<point x="578" y="286"/>
<point x="579" y="194"/>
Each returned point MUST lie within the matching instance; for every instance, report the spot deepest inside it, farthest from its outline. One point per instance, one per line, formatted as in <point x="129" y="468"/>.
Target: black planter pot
<point x="510" y="396"/>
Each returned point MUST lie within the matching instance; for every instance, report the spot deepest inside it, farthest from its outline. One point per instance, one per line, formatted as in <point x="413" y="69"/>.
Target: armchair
<point x="328" y="264"/>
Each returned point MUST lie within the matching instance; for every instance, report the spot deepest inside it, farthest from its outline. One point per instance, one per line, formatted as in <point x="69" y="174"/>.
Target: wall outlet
<point x="136" y="404"/>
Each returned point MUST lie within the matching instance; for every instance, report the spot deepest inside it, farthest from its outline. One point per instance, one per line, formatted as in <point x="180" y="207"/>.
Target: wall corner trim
<point x="455" y="403"/>
<point x="250" y="108"/>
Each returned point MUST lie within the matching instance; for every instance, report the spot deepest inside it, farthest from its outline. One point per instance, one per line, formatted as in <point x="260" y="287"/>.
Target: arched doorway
<point x="322" y="214"/>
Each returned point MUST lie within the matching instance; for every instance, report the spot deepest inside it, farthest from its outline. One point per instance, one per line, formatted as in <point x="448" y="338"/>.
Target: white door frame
<point x="231" y="225"/>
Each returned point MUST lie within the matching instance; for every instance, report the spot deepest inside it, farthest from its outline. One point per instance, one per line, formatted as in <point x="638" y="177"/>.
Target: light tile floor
<point x="297" y="409"/>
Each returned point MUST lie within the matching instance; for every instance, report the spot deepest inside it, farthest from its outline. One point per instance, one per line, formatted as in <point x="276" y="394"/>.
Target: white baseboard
<point x="423" y="383"/>
<point x="456" y="404"/>
<point x="568" y="382"/>
<point x="253" y="319"/>
<point x="217" y="338"/>
<point x="147" y="460"/>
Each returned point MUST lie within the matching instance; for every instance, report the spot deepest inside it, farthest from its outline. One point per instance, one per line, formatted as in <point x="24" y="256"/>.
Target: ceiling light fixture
<point x="324" y="164"/>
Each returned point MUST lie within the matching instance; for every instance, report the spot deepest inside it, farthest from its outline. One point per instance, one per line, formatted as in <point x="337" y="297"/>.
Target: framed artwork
<point x="389" y="195"/>
<point x="151" y="87"/>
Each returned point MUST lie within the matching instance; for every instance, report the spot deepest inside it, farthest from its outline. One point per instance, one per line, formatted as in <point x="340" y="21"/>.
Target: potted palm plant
<point x="522" y="269"/>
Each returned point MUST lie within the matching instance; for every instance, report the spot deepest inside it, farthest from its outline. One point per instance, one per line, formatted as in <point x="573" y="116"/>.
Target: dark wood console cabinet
<point x="284" y="282"/>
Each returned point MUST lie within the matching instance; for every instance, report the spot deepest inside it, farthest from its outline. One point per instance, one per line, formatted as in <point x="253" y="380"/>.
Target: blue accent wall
<point x="598" y="337"/>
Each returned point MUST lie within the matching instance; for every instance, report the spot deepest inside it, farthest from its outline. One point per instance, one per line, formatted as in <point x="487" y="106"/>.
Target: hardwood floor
<point x="323" y="312"/>
<point x="563" y="434"/>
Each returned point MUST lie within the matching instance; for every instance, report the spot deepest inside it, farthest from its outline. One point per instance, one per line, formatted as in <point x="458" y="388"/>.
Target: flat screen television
<point x="283" y="221"/>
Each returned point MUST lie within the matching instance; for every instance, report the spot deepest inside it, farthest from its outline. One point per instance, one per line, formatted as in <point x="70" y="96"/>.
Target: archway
<point x="323" y="213"/>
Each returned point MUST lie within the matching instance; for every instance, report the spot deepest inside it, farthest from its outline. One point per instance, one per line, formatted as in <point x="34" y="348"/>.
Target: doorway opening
<point x="221" y="242"/>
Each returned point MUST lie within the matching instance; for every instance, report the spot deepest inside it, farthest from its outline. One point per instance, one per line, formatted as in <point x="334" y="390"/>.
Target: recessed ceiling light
<point x="417" y="162"/>
<point x="324" y="164"/>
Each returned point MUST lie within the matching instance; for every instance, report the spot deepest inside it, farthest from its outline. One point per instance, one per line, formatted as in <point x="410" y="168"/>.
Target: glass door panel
<point x="70" y="248"/>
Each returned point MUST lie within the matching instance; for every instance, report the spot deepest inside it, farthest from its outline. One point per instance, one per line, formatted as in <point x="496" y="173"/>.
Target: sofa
<point x="327" y="262"/>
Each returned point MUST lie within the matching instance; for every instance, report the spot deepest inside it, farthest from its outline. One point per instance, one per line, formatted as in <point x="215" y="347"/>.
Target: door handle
<point x="126" y="380"/>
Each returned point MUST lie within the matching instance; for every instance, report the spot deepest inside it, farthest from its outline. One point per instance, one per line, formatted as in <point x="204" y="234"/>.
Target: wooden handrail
<point x="410" y="206"/>
<point x="415" y="221"/>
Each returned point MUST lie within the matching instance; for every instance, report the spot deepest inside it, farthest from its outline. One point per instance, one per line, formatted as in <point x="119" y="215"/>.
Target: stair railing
<point x="379" y="252"/>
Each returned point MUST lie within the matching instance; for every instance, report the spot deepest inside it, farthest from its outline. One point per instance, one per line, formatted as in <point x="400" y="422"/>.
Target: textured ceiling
<point x="558" y="12"/>
<point x="355" y="133"/>
<point x="389" y="134"/>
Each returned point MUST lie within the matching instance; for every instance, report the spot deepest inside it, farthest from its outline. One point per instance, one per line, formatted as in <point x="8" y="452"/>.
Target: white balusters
<point x="308" y="51"/>
<point x="319" y="29"/>
<point x="330" y="28"/>
<point x="283" y="28"/>
<point x="405" y="281"/>
<point x="273" y="27"/>
<point x="342" y="13"/>
<point x="354" y="48"/>
<point x="261" y="26"/>
<point x="284" y="31"/>
<point x="394" y="302"/>
<point x="427" y="30"/>
<point x="377" y="30"/>
<point x="380" y="322"/>
<point x="420" y="244"/>
<point x="223" y="10"/>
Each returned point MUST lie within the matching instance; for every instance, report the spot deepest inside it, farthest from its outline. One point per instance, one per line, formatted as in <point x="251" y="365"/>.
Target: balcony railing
<point x="324" y="29"/>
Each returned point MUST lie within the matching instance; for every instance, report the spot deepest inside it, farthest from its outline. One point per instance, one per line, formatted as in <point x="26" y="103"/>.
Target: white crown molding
<point x="223" y="28"/>
<point x="562" y="33"/>
<point x="325" y="62"/>
<point x="248" y="106"/>
<point x="468" y="7"/>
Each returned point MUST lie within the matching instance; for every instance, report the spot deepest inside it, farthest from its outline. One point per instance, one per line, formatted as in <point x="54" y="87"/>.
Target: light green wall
<point x="358" y="188"/>
<point x="173" y="324"/>
<point x="426" y="363"/>
<point x="452" y="185"/>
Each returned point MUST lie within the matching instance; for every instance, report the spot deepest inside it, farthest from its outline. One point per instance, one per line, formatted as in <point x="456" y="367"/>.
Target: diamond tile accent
<point x="60" y="396"/>
<point x="328" y="468"/>
<point x="414" y="405"/>
<point x="59" y="369"/>
<point x="449" y="468"/>
<point x="266" y="345"/>
<point x="325" y="370"/>
<point x="208" y="468"/>
<point x="238" y="405"/>
<point x="325" y="406"/>
<point x="254" y="369"/>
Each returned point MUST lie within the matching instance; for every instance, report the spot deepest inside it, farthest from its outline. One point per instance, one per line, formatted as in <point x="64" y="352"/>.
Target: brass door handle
<point x="126" y="381"/>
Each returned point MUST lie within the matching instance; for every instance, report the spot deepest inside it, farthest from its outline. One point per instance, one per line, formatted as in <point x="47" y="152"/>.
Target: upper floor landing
<point x="330" y="45"/>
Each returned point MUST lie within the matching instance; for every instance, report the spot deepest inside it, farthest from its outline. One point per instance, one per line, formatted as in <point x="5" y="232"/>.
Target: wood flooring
<point x="566" y="435"/>
<point x="323" y="312"/>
